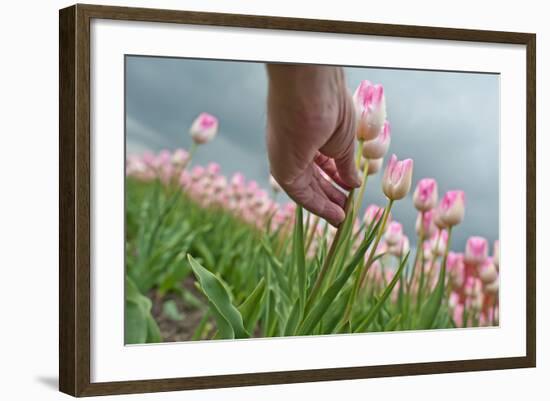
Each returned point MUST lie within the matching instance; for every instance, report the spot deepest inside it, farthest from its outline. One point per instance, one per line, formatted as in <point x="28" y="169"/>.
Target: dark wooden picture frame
<point x="74" y="199"/>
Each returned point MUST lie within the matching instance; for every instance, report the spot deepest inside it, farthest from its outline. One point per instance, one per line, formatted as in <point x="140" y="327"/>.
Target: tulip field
<point x="215" y="257"/>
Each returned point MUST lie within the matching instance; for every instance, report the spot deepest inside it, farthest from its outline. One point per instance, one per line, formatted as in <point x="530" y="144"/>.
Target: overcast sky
<point x="448" y="122"/>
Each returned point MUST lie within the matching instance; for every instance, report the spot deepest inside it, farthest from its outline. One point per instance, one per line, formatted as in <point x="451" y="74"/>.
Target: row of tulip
<point x="271" y="270"/>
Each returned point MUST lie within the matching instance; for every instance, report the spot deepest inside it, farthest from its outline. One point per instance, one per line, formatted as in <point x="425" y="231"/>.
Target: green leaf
<point x="170" y="310"/>
<point x="228" y="317"/>
<point x="153" y="331"/>
<point x="430" y="309"/>
<point x="299" y="257"/>
<point x="135" y="324"/>
<point x="200" y="331"/>
<point x="373" y="312"/>
<point x="292" y="322"/>
<point x="251" y="308"/>
<point x="204" y="252"/>
<point x="317" y="312"/>
<point x="392" y="324"/>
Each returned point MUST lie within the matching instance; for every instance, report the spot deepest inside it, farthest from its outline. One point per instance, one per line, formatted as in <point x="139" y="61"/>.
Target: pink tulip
<point x="374" y="165"/>
<point x="213" y="169"/>
<point x="451" y="208"/>
<point x="394" y="233"/>
<point x="180" y="157"/>
<point x="185" y="179"/>
<point x="396" y="182"/>
<point x="204" y="128"/>
<point x="219" y="183"/>
<point x="148" y="158"/>
<point x="487" y="271"/>
<point x="162" y="159"/>
<point x="400" y="249"/>
<point x="439" y="242"/>
<point x="455" y="261"/>
<point x="251" y="188"/>
<point x="473" y="286"/>
<point x="493" y="287"/>
<point x="376" y="148"/>
<point x="426" y="222"/>
<point x="455" y="265"/>
<point x="373" y="214"/>
<point x="458" y="315"/>
<point x="370" y="108"/>
<point x="197" y="173"/>
<point x="476" y="250"/>
<point x="427" y="251"/>
<point x="425" y="194"/>
<point x="454" y="300"/>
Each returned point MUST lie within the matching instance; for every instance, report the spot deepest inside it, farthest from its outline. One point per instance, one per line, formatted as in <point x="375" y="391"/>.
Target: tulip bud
<point x="394" y="233"/>
<point x="496" y="253"/>
<point x="426" y="222"/>
<point x="204" y="128"/>
<point x="487" y="271"/>
<point x="400" y="249"/>
<point x="454" y="300"/>
<point x="374" y="165"/>
<point x="274" y="184"/>
<point x="161" y="160"/>
<point x="376" y="148"/>
<point x="197" y="173"/>
<point x="427" y="251"/>
<point x="219" y="184"/>
<point x="251" y="188"/>
<point x="213" y="169"/>
<point x="455" y="265"/>
<point x="437" y="220"/>
<point x="476" y="250"/>
<point x="451" y="208"/>
<point x="439" y="242"/>
<point x="473" y="286"/>
<point x="492" y="288"/>
<point x="396" y="182"/>
<point x="180" y="157"/>
<point x="425" y="194"/>
<point x="370" y="107"/>
<point x="185" y="179"/>
<point x="458" y="315"/>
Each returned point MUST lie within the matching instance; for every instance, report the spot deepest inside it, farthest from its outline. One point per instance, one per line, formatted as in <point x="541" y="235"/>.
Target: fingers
<point x="329" y="167"/>
<point x="330" y="190"/>
<point x="310" y="192"/>
<point x="341" y="145"/>
<point x="345" y="164"/>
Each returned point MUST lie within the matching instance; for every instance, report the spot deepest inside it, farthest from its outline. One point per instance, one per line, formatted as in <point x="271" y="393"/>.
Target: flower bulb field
<point x="213" y="254"/>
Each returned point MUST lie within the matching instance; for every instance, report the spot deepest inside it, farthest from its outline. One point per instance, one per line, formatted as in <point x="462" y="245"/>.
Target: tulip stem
<point x="419" y="251"/>
<point x="359" y="154"/>
<point x="359" y="199"/>
<point x="334" y="247"/>
<point x="422" y="273"/>
<point x="312" y="232"/>
<point x="362" y="274"/>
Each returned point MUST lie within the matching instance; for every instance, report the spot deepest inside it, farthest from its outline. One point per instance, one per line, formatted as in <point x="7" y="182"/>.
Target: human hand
<point x="311" y="126"/>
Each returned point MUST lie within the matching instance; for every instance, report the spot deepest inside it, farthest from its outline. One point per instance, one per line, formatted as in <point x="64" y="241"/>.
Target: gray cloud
<point x="446" y="121"/>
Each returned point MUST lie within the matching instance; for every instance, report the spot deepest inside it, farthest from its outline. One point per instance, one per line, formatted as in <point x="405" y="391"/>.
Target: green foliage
<point x="253" y="281"/>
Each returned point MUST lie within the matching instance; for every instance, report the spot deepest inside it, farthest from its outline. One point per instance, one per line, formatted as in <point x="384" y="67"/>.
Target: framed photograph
<point x="250" y="200"/>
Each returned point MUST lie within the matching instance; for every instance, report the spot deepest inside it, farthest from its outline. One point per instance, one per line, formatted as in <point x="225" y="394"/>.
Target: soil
<point x="179" y="330"/>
